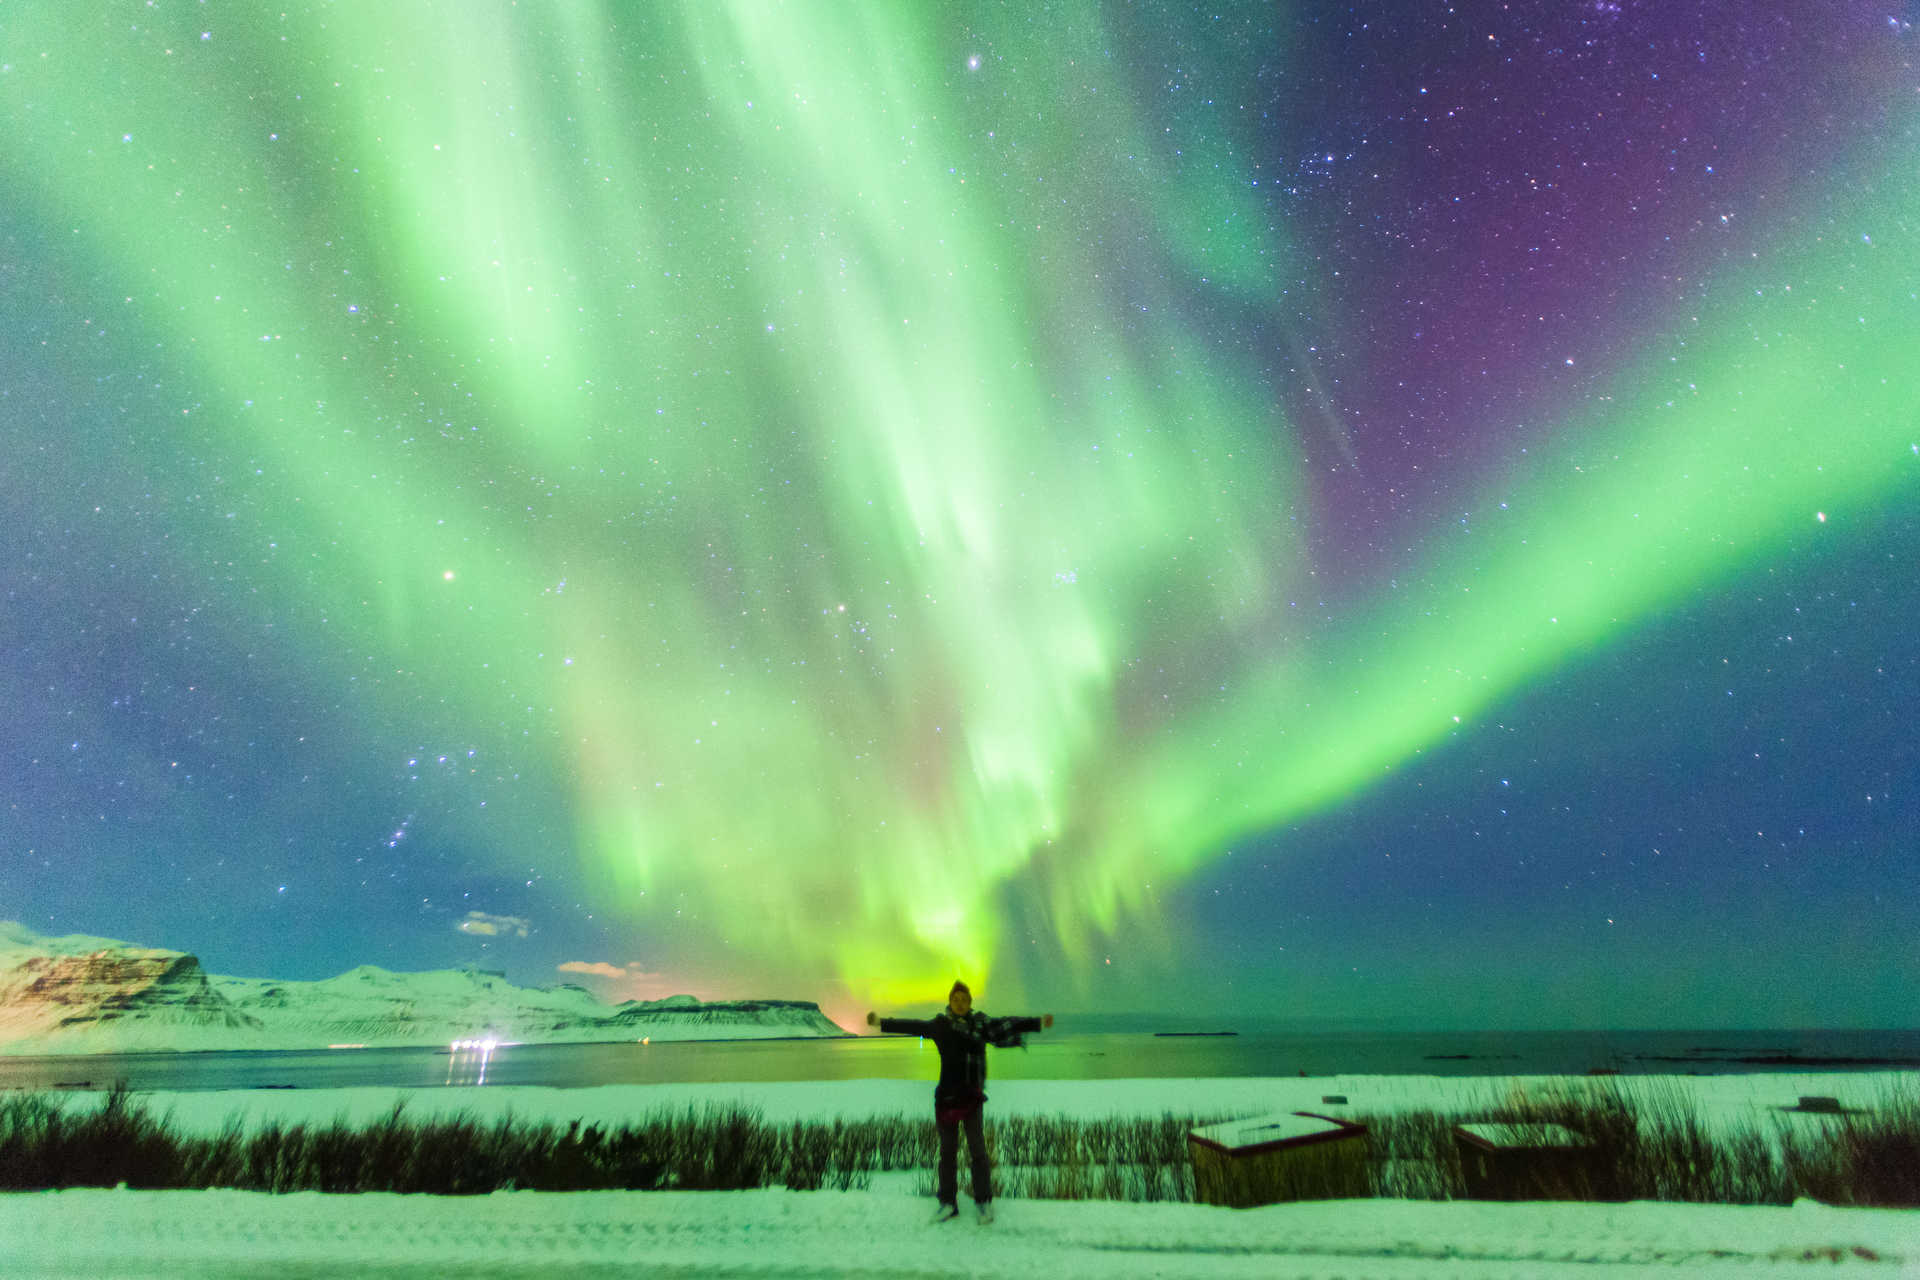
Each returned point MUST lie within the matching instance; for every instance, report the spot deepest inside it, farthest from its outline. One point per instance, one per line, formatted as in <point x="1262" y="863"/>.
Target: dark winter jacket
<point x="963" y="1042"/>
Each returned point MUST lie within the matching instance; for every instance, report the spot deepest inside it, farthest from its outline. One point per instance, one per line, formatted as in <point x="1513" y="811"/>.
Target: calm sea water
<point x="1052" y="1056"/>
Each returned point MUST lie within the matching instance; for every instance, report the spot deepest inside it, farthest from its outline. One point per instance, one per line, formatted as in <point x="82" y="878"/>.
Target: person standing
<point x="962" y="1033"/>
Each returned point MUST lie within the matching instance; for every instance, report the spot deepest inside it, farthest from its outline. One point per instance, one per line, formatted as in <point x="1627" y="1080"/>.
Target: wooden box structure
<point x="1271" y="1158"/>
<point x="1528" y="1162"/>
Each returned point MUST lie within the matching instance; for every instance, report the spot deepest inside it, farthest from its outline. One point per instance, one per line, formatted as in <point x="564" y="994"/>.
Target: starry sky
<point x="1381" y="513"/>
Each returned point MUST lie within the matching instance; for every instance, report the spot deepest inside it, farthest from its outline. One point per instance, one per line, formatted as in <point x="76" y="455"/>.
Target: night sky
<point x="1394" y="512"/>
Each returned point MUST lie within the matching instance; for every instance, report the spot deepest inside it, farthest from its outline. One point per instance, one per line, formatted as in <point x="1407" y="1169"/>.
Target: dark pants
<point x="950" y="1121"/>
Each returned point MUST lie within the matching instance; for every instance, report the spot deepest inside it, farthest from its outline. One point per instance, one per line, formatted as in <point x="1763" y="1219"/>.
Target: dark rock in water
<point x="1196" y="1033"/>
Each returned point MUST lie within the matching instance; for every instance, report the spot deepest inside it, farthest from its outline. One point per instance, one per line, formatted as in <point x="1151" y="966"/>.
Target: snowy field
<point x="884" y="1230"/>
<point x="1732" y="1099"/>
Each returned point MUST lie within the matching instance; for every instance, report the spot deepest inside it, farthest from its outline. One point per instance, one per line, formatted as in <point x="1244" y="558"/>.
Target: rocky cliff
<point x="124" y="998"/>
<point x="780" y="1017"/>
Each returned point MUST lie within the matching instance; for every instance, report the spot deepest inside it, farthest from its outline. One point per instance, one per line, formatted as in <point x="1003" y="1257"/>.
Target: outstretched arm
<point x="1006" y="1033"/>
<point x="900" y="1026"/>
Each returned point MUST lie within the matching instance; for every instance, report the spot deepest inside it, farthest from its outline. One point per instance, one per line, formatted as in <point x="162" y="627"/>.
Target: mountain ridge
<point x="79" y="995"/>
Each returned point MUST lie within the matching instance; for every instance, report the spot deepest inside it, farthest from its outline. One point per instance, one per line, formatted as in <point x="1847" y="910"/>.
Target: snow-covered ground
<point x="884" y="1230"/>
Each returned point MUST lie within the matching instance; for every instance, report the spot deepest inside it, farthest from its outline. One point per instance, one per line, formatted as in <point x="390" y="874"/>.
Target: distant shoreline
<point x="1777" y="1060"/>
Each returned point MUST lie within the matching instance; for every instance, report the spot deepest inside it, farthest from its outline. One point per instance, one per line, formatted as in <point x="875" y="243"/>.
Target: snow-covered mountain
<point x="95" y="995"/>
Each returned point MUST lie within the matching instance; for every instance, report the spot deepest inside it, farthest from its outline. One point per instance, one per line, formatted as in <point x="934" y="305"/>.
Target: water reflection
<point x="467" y="1061"/>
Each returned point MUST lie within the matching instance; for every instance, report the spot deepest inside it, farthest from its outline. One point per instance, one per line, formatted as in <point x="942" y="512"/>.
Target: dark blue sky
<point x="1360" y="513"/>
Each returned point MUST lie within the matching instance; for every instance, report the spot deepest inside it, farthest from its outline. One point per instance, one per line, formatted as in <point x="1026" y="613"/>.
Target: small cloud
<point x="494" y="926"/>
<point x="598" y="968"/>
<point x="631" y="981"/>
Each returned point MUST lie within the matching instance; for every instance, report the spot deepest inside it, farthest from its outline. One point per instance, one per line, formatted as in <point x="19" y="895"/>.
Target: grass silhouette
<point x="1641" y="1146"/>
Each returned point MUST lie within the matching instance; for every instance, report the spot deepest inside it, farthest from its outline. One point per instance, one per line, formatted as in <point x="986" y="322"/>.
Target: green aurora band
<point x="794" y="437"/>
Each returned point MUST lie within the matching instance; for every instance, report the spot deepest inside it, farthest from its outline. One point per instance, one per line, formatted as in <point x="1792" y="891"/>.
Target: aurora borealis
<point x="1402" y="512"/>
